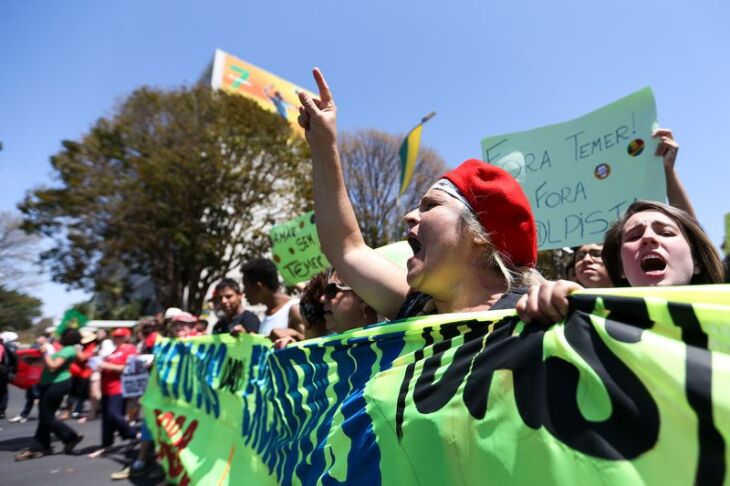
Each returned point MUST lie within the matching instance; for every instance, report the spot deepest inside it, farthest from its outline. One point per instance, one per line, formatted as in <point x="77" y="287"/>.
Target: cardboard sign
<point x="136" y="375"/>
<point x="581" y="175"/>
<point x="296" y="251"/>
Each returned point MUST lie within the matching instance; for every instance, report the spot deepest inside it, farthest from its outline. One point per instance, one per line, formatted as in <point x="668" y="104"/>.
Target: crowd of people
<point x="474" y="243"/>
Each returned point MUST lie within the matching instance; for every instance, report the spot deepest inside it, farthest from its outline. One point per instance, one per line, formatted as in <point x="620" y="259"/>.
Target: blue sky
<point x="485" y="67"/>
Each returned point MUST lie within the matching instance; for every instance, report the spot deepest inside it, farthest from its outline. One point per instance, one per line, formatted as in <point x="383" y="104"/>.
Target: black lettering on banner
<point x="545" y="390"/>
<point x="711" y="467"/>
<point x="232" y="375"/>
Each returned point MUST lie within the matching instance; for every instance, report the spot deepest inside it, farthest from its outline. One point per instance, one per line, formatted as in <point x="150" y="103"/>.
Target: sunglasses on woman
<point x="332" y="289"/>
<point x="595" y="254"/>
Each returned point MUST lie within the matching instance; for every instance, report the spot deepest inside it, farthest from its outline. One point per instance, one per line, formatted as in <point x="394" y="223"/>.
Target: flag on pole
<point x="409" y="152"/>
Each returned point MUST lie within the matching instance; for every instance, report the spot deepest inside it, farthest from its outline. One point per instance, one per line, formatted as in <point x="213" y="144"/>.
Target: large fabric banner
<point x="630" y="389"/>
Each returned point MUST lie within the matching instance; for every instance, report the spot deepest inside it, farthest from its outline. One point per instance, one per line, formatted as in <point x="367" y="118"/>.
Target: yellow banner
<point x="271" y="92"/>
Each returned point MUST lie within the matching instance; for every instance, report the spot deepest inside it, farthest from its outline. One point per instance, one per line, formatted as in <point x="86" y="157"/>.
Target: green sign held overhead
<point x="296" y="251"/>
<point x="581" y="175"/>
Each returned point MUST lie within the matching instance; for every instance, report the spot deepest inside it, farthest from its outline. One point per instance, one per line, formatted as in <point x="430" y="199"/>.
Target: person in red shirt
<point x="112" y="401"/>
<point x="81" y="375"/>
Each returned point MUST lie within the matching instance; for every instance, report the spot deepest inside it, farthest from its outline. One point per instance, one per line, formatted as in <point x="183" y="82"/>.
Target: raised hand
<point x="667" y="148"/>
<point x="546" y="302"/>
<point x="318" y="117"/>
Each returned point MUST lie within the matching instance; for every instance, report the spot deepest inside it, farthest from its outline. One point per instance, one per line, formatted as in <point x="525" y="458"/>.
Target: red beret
<point x="501" y="207"/>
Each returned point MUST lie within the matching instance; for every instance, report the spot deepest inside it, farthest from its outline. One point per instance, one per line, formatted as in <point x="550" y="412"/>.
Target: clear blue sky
<point x="485" y="67"/>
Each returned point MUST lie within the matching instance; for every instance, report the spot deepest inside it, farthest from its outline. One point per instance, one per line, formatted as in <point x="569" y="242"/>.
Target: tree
<point x="18" y="251"/>
<point x="17" y="310"/>
<point x="180" y="186"/>
<point x="371" y="166"/>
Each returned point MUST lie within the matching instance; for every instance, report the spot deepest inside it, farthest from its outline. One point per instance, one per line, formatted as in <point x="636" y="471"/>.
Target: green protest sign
<point x="295" y="249"/>
<point x="629" y="389"/>
<point x="398" y="252"/>
<point x="581" y="175"/>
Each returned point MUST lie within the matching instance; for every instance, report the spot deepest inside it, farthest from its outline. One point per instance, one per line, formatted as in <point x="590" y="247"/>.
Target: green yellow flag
<point x="408" y="154"/>
<point x="631" y="388"/>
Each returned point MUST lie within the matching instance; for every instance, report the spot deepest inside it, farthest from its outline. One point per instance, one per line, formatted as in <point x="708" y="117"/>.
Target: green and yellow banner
<point x="632" y="388"/>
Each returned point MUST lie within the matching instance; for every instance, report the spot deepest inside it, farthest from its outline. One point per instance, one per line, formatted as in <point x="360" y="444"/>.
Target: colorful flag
<point x="408" y="154"/>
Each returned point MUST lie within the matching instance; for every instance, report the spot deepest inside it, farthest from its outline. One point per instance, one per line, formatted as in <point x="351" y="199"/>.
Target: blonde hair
<point x="493" y="260"/>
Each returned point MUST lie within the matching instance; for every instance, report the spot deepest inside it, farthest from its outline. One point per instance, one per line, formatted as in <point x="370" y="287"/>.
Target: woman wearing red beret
<point x="473" y="234"/>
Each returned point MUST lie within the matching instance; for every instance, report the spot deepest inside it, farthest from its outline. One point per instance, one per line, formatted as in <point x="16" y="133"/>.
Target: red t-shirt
<point x="111" y="381"/>
<point x="80" y="369"/>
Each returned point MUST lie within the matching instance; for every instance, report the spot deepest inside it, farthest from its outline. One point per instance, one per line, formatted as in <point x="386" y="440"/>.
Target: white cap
<point x="172" y="312"/>
<point x="9" y="336"/>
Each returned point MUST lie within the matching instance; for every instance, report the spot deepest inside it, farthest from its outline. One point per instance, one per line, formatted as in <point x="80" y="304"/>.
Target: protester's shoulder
<point x="245" y="316"/>
<point x="509" y="299"/>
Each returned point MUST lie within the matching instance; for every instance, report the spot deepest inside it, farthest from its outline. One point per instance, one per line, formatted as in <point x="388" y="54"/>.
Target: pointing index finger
<point x="325" y="95"/>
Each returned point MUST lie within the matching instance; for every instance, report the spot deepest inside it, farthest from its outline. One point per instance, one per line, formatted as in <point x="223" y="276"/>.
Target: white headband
<point x="449" y="188"/>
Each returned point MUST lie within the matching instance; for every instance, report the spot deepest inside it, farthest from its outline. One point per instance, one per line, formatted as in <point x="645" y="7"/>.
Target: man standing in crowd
<point x="261" y="286"/>
<point x="232" y="318"/>
<point x="112" y="401"/>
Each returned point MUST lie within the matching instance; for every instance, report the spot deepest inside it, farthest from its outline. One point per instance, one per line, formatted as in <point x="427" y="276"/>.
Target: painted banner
<point x="271" y="92"/>
<point x="631" y="388"/>
<point x="295" y="249"/>
<point x="581" y="175"/>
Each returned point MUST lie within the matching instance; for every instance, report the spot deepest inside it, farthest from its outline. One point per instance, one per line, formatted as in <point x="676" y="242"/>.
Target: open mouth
<point x="414" y="244"/>
<point x="653" y="263"/>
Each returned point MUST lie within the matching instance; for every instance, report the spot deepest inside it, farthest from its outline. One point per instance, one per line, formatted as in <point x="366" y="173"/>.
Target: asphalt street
<point x="59" y="469"/>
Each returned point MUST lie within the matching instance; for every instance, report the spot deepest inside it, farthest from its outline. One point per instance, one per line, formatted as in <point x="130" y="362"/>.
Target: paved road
<point x="58" y="469"/>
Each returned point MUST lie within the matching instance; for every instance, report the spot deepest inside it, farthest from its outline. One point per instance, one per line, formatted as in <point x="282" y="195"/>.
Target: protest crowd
<point x="474" y="243"/>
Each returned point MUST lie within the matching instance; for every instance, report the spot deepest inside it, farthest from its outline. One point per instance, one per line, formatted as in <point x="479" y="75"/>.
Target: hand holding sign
<point x="667" y="148"/>
<point x="318" y="117"/>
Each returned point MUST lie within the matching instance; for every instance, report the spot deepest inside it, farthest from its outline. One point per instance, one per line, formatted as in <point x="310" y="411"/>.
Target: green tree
<point x="18" y="310"/>
<point x="180" y="186"/>
<point x="371" y="168"/>
<point x="18" y="251"/>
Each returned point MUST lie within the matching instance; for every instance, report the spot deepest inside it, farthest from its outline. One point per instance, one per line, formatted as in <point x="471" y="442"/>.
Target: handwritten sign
<point x="296" y="250"/>
<point x="136" y="375"/>
<point x="581" y="175"/>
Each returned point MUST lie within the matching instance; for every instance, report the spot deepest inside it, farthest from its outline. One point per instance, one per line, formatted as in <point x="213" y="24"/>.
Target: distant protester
<point x="590" y="272"/>
<point x="311" y="309"/>
<point x="112" y="402"/>
<point x="261" y="286"/>
<point x="343" y="308"/>
<point x="54" y="385"/>
<point x="232" y="317"/>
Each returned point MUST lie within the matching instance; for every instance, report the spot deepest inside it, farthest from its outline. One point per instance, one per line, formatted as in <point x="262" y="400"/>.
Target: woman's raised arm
<point x="377" y="280"/>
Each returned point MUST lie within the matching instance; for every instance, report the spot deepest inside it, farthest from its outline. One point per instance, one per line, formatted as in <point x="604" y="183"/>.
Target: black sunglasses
<point x="594" y="253"/>
<point x="332" y="289"/>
